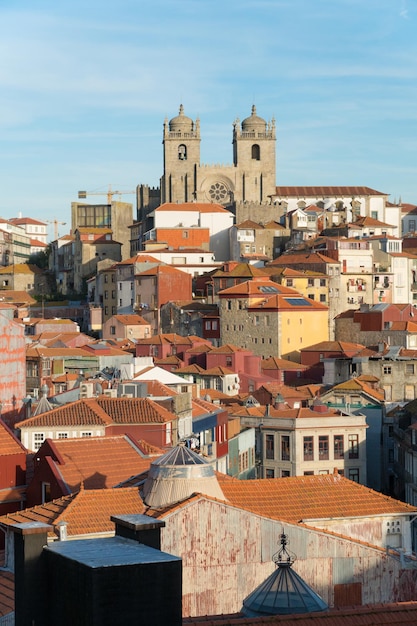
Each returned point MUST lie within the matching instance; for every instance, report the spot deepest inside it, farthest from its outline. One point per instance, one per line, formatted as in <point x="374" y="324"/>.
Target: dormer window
<point x="182" y="152"/>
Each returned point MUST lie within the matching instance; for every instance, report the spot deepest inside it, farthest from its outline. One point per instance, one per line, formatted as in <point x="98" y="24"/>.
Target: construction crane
<point x="56" y="224"/>
<point x="82" y="195"/>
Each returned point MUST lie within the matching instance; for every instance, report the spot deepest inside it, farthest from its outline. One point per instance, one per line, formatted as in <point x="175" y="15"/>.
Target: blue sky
<point x="85" y="87"/>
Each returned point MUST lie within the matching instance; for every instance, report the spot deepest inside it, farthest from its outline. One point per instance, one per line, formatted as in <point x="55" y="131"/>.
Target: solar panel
<point x="298" y="301"/>
<point x="268" y="289"/>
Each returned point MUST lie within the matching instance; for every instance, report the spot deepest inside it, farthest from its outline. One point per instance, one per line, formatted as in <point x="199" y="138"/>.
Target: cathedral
<point x="249" y="179"/>
<point x="247" y="187"/>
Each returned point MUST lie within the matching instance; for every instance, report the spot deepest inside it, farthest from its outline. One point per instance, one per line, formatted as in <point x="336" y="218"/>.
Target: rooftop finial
<point x="284" y="557"/>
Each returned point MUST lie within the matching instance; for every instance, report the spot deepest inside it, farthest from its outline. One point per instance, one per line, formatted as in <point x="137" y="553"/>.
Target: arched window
<point x="256" y="152"/>
<point x="182" y="152"/>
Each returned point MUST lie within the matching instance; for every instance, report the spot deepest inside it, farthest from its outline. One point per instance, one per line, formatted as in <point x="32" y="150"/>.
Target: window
<point x="310" y="282"/>
<point x="106" y="278"/>
<point x="309" y="473"/>
<point x="269" y="473"/>
<point x="229" y="305"/>
<point x="387" y="369"/>
<point x="354" y="474"/>
<point x="290" y="282"/>
<point x="168" y="433"/>
<point x="285" y="473"/>
<point x="323" y="448"/>
<point x="311" y="296"/>
<point x="308" y="449"/>
<point x="338" y="447"/>
<point x="269" y="446"/>
<point x="256" y="152"/>
<point x="62" y="435"/>
<point x="322" y="282"/>
<point x="182" y="152"/>
<point x="353" y="446"/>
<point x="38" y="439"/>
<point x="285" y="447"/>
<point x="229" y="361"/>
<point x="112" y="330"/>
<point x="185" y="234"/>
<point x="409" y="369"/>
<point x="322" y="297"/>
<point x="46" y="492"/>
<point x="86" y="434"/>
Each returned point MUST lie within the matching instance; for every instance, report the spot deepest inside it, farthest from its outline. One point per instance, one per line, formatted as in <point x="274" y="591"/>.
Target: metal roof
<point x="284" y="592"/>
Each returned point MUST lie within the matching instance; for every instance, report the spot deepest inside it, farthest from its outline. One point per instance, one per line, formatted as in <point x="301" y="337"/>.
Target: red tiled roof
<point x="96" y="462"/>
<point x="304" y="258"/>
<point x="398" y="614"/>
<point x="86" y="512"/>
<point x="302" y="498"/>
<point x="274" y="363"/>
<point x="325" y="191"/>
<point x="6" y="592"/>
<point x="9" y="444"/>
<point x="102" y="411"/>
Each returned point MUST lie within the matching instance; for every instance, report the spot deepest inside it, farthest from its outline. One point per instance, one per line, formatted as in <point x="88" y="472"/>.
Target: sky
<point x="85" y="88"/>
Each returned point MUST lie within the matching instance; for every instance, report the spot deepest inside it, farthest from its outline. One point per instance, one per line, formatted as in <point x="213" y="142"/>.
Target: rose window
<point x="218" y="192"/>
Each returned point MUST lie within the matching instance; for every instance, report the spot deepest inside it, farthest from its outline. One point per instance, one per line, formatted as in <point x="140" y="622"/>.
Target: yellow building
<point x="271" y="319"/>
<point x="313" y="285"/>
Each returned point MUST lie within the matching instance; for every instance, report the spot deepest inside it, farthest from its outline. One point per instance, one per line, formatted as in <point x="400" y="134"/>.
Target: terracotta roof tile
<point x="96" y="462"/>
<point x="302" y="498"/>
<point x="103" y="411"/>
<point x="398" y="614"/>
<point x="301" y="191"/>
<point x="86" y="512"/>
<point x="6" y="592"/>
<point x="9" y="444"/>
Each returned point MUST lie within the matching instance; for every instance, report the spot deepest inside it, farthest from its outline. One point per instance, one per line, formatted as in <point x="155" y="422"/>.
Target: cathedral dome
<point x="181" y="122"/>
<point x="254" y="122"/>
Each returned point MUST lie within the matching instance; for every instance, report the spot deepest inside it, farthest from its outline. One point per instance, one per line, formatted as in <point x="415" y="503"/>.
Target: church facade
<point x="249" y="179"/>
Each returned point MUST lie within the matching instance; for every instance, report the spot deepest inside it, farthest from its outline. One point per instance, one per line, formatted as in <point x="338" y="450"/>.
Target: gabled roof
<point x="86" y="512"/>
<point x="9" y="444"/>
<point x="139" y="258"/>
<point x="238" y="270"/>
<point x="308" y="498"/>
<point x="130" y="320"/>
<point x="359" y="386"/>
<point x="365" y="220"/>
<point x="274" y="363"/>
<point x="325" y="191"/>
<point x="101" y="411"/>
<point x="260" y="286"/>
<point x="95" y="462"/>
<point x="16" y="297"/>
<point x="302" y="258"/>
<point x="26" y="220"/>
<point x="334" y="346"/>
<point x="158" y="270"/>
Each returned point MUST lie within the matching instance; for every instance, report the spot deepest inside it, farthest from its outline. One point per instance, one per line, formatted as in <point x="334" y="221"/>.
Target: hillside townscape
<point x="208" y="396"/>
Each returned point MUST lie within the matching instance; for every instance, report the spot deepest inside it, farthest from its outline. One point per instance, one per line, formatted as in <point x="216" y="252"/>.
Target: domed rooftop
<point x="254" y="122"/>
<point x="181" y="122"/>
<point x="177" y="475"/>
<point x="284" y="592"/>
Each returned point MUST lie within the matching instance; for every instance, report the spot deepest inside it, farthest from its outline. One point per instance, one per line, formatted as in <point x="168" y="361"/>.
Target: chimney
<point x="31" y="603"/>
<point x="141" y="528"/>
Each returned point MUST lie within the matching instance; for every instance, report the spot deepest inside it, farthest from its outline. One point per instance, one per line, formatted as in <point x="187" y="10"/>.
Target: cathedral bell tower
<point x="254" y="158"/>
<point x="181" y="143"/>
